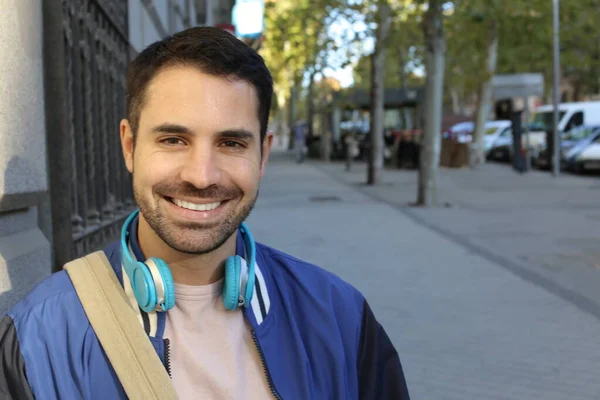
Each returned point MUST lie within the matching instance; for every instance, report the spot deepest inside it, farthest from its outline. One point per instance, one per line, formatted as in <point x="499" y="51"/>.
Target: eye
<point x="172" y="141"/>
<point x="233" y="144"/>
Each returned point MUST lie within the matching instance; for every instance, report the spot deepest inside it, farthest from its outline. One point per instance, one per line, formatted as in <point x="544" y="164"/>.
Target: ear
<point x="127" y="143"/>
<point x="266" y="151"/>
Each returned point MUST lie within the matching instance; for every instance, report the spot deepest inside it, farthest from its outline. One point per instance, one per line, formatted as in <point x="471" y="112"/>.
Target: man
<point x="195" y="141"/>
<point x="300" y="130"/>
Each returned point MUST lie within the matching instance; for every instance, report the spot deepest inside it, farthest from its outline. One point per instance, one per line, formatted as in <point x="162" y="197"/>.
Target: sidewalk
<point x="465" y="327"/>
<point x="544" y="229"/>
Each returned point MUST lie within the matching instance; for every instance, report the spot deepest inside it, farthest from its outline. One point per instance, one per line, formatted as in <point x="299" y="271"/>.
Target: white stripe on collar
<point x="260" y="295"/>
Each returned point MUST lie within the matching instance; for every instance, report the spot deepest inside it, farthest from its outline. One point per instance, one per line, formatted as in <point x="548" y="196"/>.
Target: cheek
<point x="151" y="168"/>
<point x="242" y="172"/>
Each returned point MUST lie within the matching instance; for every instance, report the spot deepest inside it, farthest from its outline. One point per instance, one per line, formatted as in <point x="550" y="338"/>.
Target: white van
<point x="493" y="131"/>
<point x="570" y="115"/>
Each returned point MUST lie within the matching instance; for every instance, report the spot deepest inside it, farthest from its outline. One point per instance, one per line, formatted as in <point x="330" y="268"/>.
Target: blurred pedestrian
<point x="300" y="132"/>
<point x="352" y="150"/>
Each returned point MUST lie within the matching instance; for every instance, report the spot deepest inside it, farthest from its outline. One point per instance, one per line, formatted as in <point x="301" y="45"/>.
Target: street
<point x="465" y="325"/>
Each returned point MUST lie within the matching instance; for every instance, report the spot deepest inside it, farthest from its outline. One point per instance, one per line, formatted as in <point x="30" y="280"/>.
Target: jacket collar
<point x="256" y="312"/>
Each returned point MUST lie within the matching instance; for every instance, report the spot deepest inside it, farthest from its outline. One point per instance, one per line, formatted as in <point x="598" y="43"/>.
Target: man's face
<point x="197" y="160"/>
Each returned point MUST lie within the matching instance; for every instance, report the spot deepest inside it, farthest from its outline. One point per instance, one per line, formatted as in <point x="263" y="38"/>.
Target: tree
<point x="524" y="34"/>
<point x="398" y="71"/>
<point x="297" y="43"/>
<point x="580" y="45"/>
<point x="384" y="21"/>
<point x="433" y="32"/>
<point x="376" y="71"/>
<point x="404" y="53"/>
<point x="489" y="14"/>
<point x="323" y="92"/>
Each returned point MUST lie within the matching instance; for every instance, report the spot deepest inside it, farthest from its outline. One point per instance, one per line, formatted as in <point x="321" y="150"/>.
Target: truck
<point x="570" y="115"/>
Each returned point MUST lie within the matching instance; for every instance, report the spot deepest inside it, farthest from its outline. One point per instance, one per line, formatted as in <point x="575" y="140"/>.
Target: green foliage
<point x="525" y="34"/>
<point x="524" y="29"/>
<point x="296" y="39"/>
<point x="298" y="42"/>
<point x="404" y="47"/>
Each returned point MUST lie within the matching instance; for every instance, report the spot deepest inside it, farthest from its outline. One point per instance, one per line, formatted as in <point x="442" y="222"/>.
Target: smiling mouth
<point x="195" y="206"/>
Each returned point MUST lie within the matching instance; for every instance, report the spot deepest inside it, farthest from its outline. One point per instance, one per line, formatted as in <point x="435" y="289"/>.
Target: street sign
<point x="518" y="85"/>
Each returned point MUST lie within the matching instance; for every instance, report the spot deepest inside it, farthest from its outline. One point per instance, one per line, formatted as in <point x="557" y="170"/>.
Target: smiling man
<point x="230" y="318"/>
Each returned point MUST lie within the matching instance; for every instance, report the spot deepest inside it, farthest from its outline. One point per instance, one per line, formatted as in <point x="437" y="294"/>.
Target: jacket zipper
<point x="265" y="369"/>
<point x="168" y="356"/>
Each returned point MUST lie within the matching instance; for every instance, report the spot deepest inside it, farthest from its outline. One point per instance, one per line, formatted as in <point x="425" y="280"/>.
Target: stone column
<point x="25" y="256"/>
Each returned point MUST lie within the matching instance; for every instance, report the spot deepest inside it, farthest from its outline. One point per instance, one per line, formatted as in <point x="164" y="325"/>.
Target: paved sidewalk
<point x="465" y="327"/>
<point x="546" y="230"/>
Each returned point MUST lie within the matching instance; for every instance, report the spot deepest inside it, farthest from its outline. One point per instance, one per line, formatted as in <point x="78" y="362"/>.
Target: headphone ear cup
<point x="143" y="286"/>
<point x="231" y="285"/>
<point x="167" y="278"/>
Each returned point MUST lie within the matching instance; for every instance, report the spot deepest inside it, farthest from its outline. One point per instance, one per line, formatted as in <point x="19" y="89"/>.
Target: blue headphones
<point x="152" y="281"/>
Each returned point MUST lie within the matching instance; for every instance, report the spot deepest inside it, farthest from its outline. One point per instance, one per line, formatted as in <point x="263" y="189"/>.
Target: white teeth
<point x="196" y="207"/>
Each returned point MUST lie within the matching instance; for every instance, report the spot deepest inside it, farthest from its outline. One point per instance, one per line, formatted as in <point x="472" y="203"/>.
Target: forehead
<point x="187" y="96"/>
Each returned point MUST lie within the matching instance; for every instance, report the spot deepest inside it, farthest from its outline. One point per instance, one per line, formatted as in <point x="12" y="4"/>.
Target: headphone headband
<point x="125" y="234"/>
<point x="250" y="246"/>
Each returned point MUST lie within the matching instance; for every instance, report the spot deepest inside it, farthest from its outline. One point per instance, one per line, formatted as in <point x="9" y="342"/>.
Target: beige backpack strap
<point x="123" y="339"/>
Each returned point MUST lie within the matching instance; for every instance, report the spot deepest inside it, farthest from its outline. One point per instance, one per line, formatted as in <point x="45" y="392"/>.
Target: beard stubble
<point x="193" y="238"/>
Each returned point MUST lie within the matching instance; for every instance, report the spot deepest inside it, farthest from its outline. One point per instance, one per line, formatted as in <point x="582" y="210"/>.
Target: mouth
<point x="193" y="206"/>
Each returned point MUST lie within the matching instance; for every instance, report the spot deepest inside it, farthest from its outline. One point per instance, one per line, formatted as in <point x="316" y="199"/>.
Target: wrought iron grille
<point x="96" y="55"/>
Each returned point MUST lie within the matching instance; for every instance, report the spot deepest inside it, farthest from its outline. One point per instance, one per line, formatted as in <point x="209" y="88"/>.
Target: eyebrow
<point x="170" y="128"/>
<point x="241" y="134"/>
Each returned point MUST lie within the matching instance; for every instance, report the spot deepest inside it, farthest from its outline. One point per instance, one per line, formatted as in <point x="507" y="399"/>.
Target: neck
<point x="187" y="269"/>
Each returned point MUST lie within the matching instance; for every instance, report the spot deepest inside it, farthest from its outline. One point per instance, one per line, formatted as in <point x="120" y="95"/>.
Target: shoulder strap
<point x="123" y="339"/>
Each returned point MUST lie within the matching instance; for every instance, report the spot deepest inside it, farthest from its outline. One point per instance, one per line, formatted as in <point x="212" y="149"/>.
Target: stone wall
<point x="25" y="256"/>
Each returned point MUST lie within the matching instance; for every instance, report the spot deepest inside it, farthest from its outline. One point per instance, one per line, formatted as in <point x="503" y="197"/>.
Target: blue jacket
<point x="316" y="335"/>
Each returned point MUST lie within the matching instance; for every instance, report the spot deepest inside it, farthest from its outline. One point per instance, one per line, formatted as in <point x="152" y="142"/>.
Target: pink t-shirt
<point x="213" y="355"/>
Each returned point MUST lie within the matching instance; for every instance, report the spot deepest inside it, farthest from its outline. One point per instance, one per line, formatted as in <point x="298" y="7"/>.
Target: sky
<point x="344" y="76"/>
<point x="337" y="31"/>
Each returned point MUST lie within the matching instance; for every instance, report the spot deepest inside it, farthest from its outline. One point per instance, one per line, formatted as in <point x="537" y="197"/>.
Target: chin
<point x="196" y="238"/>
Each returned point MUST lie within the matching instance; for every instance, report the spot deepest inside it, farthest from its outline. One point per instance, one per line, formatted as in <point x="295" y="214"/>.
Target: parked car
<point x="461" y="132"/>
<point x="577" y="139"/>
<point x="494" y="130"/>
<point x="570" y="115"/>
<point x="585" y="154"/>
<point x="501" y="149"/>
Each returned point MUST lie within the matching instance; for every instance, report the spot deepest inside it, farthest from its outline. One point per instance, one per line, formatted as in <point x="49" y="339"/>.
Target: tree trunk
<point x="310" y="106"/>
<point x="292" y="116"/>
<point x="405" y="116"/>
<point x="485" y="97"/>
<point x="325" y="135"/>
<point x="375" y="154"/>
<point x="283" y="131"/>
<point x="430" y="144"/>
<point x="577" y="89"/>
<point x="456" y="108"/>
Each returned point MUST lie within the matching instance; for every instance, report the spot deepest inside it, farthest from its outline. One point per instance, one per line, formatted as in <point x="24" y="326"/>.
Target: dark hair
<point x="213" y="51"/>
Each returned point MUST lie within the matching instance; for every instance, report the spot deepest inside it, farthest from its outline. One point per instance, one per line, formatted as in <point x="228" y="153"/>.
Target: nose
<point x="200" y="167"/>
